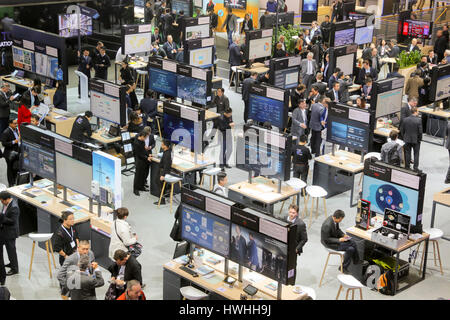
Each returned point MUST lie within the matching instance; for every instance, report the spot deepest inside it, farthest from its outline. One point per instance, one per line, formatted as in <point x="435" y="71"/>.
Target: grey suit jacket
<point x="412" y="129"/>
<point x="345" y="83"/>
<point x="86" y="283"/>
<point x="329" y="235"/>
<point x="71" y="263"/>
<point x="304" y="67"/>
<point x="316" y="111"/>
<point x="405" y="112"/>
<point x="246" y="87"/>
<point x="231" y="23"/>
<point x="297" y="119"/>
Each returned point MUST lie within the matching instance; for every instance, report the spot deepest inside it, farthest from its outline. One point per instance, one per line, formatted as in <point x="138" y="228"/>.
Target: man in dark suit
<point x="224" y="125"/>
<point x="5" y="106"/>
<point x="156" y="36"/>
<point x="405" y="111"/>
<point x="11" y="140"/>
<point x="301" y="237"/>
<point x="432" y="58"/>
<point x="246" y="92"/>
<point x="149" y="106"/>
<point x="235" y="57"/>
<point x="316" y="125"/>
<point x="365" y="71"/>
<point x="332" y="237"/>
<point x="334" y="93"/>
<point x="221" y="101"/>
<point x="412" y="136"/>
<point x="131" y="265"/>
<point x="413" y="46"/>
<point x="333" y="77"/>
<point x="102" y="63"/>
<point x="239" y="247"/>
<point x="375" y="61"/>
<point x="81" y="129"/>
<point x="322" y="86"/>
<point x="314" y="95"/>
<point x="394" y="73"/>
<point x="395" y="50"/>
<point x="9" y="232"/>
<point x="440" y="45"/>
<point x="165" y="164"/>
<point x="142" y="162"/>
<point x="84" y="65"/>
<point x="367" y="52"/>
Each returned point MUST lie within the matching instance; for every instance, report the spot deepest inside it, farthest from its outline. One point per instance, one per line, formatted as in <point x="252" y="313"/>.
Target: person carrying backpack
<point x="391" y="151"/>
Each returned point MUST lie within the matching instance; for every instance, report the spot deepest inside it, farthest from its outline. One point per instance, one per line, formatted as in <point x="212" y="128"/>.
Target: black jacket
<point x="249" y="24"/>
<point x="405" y="112"/>
<point x="132" y="270"/>
<point x="330" y="235"/>
<point x="62" y="240"/>
<point x="301" y="237"/>
<point x="148" y="15"/>
<point x="362" y="75"/>
<point x="81" y="130"/>
<point x="5" y="105"/>
<point x="221" y="103"/>
<point x="412" y="129"/>
<point x="246" y="87"/>
<point x="59" y="100"/>
<point x="140" y="154"/>
<point x="234" y="55"/>
<point x="82" y="65"/>
<point x="223" y="123"/>
<point x="440" y="46"/>
<point x="157" y="37"/>
<point x="165" y="165"/>
<point x="9" y="222"/>
<point x="102" y="60"/>
<point x="150" y="107"/>
<point x="126" y="76"/>
<point x="330" y="94"/>
<point x="7" y="139"/>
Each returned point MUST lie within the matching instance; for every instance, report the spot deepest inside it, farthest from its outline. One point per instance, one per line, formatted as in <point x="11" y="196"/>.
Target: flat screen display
<point x="202" y="57"/>
<point x="352" y="134"/>
<point x="179" y="131"/>
<point x="310" y="5"/>
<point x="205" y="230"/>
<point x="177" y="6"/>
<point x="382" y="195"/>
<point x="39" y="160"/>
<point x="105" y="107"/>
<point x="163" y="81"/>
<point x="389" y="102"/>
<point x="23" y="59"/>
<point x="264" y="109"/>
<point x="191" y="89"/>
<point x="259" y="253"/>
<point x="287" y="78"/>
<point x="443" y="87"/>
<point x="364" y="35"/>
<point x="235" y="4"/>
<point x="197" y="32"/>
<point x="346" y="63"/>
<point x="46" y="66"/>
<point x="68" y="25"/>
<point x="264" y="161"/>
<point x="344" y="37"/>
<point x="416" y="29"/>
<point x="138" y="43"/>
<point x="78" y="178"/>
<point x="260" y="48"/>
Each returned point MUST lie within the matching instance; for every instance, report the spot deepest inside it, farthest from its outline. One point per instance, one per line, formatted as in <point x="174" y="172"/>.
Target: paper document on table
<point x="253" y="277"/>
<point x="204" y="270"/>
<point x="353" y="165"/>
<point x="270" y="196"/>
<point x="77" y="197"/>
<point x="182" y="260"/>
<point x="264" y="188"/>
<point x="79" y="215"/>
<point x="43" y="183"/>
<point x="385" y="130"/>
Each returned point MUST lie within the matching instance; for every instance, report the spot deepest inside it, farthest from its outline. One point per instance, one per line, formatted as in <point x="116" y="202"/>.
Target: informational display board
<point x="260" y="48"/>
<point x="139" y="9"/>
<point x="284" y="72"/>
<point x="199" y="52"/>
<point x="185" y="5"/>
<point x="196" y="28"/>
<point x="163" y="81"/>
<point x="106" y="179"/>
<point x="136" y="38"/>
<point x="417" y="29"/>
<point x="78" y="178"/>
<point x="440" y="83"/>
<point x="364" y="35"/>
<point x="346" y="63"/>
<point x="70" y="27"/>
<point x="108" y="101"/>
<point x="387" y="96"/>
<point x="24" y="59"/>
<point x="342" y="33"/>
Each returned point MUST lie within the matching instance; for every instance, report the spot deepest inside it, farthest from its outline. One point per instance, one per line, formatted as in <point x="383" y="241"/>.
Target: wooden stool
<point x="172" y="180"/>
<point x="435" y="235"/>
<point x="212" y="172"/>
<point x="191" y="293"/>
<point x="331" y="252"/>
<point x="42" y="237"/>
<point x="140" y="78"/>
<point x="299" y="185"/>
<point x="316" y="192"/>
<point x="349" y="282"/>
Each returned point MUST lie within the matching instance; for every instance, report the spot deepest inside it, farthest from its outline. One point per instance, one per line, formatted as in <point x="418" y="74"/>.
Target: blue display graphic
<point x="205" y="230"/>
<point x="264" y="161"/>
<point x="348" y="135"/>
<point x="38" y="160"/>
<point x="52" y="67"/>
<point x="287" y="78"/>
<point x="163" y="81"/>
<point x="344" y="37"/>
<point x="172" y="123"/>
<point x="177" y="6"/>
<point x="192" y="89"/>
<point x="264" y="109"/>
<point x="364" y="35"/>
<point x="382" y="195"/>
<point x="310" y="5"/>
<point x="140" y="3"/>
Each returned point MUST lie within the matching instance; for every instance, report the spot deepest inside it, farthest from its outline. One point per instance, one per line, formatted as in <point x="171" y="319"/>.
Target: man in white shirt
<point x="222" y="181"/>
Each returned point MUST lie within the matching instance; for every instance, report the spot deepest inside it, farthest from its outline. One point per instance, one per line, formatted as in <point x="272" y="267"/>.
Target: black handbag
<point x="135" y="249"/>
<point x="175" y="233"/>
<point x="113" y="292"/>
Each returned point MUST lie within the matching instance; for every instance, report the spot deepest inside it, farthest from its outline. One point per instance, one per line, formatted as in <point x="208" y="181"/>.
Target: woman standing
<point x="126" y="75"/>
<point x="121" y="235"/>
<point x="383" y="49"/>
<point x="247" y="24"/>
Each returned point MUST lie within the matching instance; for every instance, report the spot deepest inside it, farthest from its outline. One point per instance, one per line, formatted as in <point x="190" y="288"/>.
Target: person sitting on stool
<point x="222" y="181"/>
<point x="165" y="164"/>
<point x="333" y="238"/>
<point x="142" y="159"/>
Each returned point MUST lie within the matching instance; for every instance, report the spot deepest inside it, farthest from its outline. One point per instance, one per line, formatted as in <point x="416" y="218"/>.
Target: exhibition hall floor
<point x="153" y="226"/>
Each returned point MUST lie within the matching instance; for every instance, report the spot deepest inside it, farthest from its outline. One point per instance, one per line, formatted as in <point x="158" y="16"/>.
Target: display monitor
<point x="264" y="109"/>
<point x="163" y="81"/>
<point x="139" y="8"/>
<point x="46" y="66"/>
<point x="259" y="252"/>
<point x="202" y="57"/>
<point x="260" y="48"/>
<point x="235" y="4"/>
<point x="105" y="106"/>
<point x="443" y="87"/>
<point x="389" y="102"/>
<point x="417" y="29"/>
<point x="205" y="230"/>
<point x="23" y="59"/>
<point x="310" y="5"/>
<point x="346" y="63"/>
<point x="178" y="5"/>
<point x="197" y="32"/>
<point x="38" y="160"/>
<point x="69" y="26"/>
<point x="344" y="37"/>
<point x="287" y="78"/>
<point x="364" y="35"/>
<point x="176" y="128"/>
<point x="266" y="161"/>
<point x="138" y="42"/>
<point x="191" y="89"/>
<point x="383" y="194"/>
<point x="352" y="134"/>
<point x="74" y="174"/>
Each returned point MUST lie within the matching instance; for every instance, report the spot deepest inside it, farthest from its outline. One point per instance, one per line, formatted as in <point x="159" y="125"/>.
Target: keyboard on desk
<point x="26" y="193"/>
<point x="107" y="136"/>
<point x="190" y="271"/>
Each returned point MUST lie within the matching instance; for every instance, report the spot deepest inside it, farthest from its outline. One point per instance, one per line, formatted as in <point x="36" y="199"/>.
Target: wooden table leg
<point x="32" y="256"/>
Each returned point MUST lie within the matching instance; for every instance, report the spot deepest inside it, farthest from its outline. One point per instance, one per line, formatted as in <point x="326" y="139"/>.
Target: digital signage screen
<point x="364" y="35"/>
<point x="39" y="160"/>
<point x="264" y="109"/>
<point x="163" y="81"/>
<point x="344" y="37"/>
<point x="191" y="89"/>
<point x="172" y="123"/>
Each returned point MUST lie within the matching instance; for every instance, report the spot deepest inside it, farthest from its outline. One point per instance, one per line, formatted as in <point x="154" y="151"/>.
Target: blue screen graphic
<point x="309" y="5"/>
<point x="364" y="35"/>
<point x="382" y="195"/>
<point x="192" y="89"/>
<point x="352" y="136"/>
<point x="206" y="230"/>
<point x="38" y="160"/>
<point x="344" y="37"/>
<point x="163" y="81"/>
<point x="264" y="109"/>
<point x="172" y="123"/>
<point x="264" y="161"/>
<point x="177" y="6"/>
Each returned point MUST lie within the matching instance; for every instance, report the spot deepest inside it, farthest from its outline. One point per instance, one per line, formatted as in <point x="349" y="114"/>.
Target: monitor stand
<point x="53" y="190"/>
<point x="66" y="203"/>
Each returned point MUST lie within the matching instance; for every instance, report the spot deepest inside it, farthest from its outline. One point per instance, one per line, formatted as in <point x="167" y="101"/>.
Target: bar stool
<point x="212" y="172"/>
<point x="42" y="237"/>
<point x="316" y="192"/>
<point x="332" y="252"/>
<point x="191" y="293"/>
<point x="172" y="180"/>
<point x="351" y="283"/>
<point x="435" y="235"/>
<point x="140" y="77"/>
<point x="299" y="185"/>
